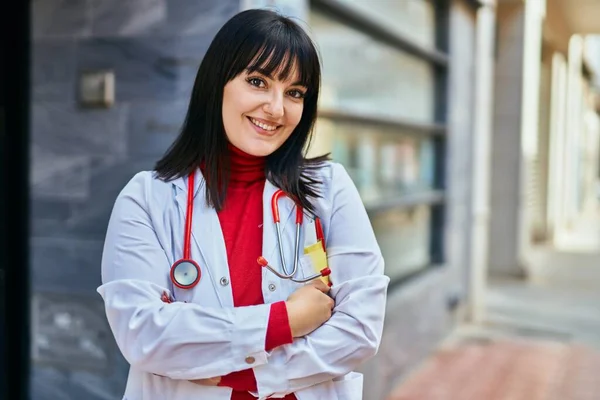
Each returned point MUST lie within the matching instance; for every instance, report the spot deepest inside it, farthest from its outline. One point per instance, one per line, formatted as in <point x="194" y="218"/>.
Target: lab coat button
<point x="250" y="360"/>
<point x="224" y="281"/>
<point x="272" y="287"/>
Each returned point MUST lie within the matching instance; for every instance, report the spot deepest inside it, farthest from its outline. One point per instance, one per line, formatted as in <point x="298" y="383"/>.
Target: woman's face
<point x="260" y="112"/>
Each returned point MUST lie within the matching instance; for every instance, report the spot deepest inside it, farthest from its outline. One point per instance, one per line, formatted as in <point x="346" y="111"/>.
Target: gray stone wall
<point x="81" y="158"/>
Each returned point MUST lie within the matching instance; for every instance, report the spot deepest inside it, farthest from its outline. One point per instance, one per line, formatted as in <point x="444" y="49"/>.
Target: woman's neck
<point x="245" y="168"/>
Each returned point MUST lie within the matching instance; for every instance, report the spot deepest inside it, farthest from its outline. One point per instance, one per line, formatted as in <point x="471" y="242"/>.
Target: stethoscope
<point x="186" y="273"/>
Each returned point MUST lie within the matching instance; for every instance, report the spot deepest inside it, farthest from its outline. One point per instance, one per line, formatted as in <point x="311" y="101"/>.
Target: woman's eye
<point x="297" y="94"/>
<point x="256" y="82"/>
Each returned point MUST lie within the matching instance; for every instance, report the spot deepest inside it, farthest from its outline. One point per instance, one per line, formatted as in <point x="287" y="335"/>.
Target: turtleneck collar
<point x="245" y="168"/>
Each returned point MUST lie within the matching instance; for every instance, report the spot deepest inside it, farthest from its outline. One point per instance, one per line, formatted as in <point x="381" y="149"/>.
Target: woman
<point x="229" y="328"/>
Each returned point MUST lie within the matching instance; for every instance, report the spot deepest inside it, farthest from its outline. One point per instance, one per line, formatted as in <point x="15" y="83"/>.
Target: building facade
<point x="445" y="123"/>
<point x="545" y="140"/>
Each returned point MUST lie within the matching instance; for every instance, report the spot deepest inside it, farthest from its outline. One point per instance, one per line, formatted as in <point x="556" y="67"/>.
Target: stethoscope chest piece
<point x="185" y="274"/>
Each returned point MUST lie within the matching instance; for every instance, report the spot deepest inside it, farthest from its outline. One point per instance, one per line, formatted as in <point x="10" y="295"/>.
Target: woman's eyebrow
<point x="265" y="73"/>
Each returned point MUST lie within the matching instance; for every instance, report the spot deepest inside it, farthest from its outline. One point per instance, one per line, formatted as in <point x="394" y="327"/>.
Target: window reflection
<point x="414" y="19"/>
<point x="383" y="163"/>
<point x="365" y="76"/>
<point x="368" y="78"/>
<point x="404" y="237"/>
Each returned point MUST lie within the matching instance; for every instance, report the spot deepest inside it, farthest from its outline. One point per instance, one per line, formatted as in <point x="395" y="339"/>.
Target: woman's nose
<point x="274" y="106"/>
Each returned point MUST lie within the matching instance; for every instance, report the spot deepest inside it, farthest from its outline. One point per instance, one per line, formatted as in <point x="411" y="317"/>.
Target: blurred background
<point x="470" y="127"/>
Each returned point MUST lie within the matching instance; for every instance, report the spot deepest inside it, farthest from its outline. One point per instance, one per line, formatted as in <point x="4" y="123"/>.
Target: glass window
<point x="404" y="237"/>
<point x="414" y="19"/>
<point x="368" y="77"/>
<point x="383" y="163"/>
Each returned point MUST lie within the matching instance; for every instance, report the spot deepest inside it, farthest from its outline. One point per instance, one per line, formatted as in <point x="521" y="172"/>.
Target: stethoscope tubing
<point x="181" y="267"/>
<point x="187" y="257"/>
<point x="188" y="218"/>
<point x="263" y="262"/>
<point x="299" y="219"/>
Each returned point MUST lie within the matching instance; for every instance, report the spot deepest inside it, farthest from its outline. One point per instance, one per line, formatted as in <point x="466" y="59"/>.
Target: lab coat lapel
<point x="287" y="225"/>
<point x="207" y="235"/>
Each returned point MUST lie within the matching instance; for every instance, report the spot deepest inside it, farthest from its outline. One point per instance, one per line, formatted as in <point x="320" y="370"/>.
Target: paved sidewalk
<point x="506" y="370"/>
<point x="538" y="343"/>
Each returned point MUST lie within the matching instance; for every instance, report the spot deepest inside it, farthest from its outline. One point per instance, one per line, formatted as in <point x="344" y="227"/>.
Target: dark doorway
<point x="14" y="200"/>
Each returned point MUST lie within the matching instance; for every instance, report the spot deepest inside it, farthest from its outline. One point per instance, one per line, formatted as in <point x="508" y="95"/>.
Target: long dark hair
<point x="255" y="39"/>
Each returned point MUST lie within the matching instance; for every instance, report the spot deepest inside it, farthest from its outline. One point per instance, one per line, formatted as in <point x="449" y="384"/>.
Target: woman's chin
<point x="259" y="149"/>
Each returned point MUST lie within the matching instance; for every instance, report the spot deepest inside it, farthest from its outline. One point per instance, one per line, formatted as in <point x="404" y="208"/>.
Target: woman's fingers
<point x="319" y="284"/>
<point x="207" y="382"/>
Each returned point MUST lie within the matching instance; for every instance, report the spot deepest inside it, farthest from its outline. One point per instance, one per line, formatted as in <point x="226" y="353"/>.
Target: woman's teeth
<point x="263" y="126"/>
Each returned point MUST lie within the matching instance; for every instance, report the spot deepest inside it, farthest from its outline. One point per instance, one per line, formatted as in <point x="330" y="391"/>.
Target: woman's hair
<point x="255" y="39"/>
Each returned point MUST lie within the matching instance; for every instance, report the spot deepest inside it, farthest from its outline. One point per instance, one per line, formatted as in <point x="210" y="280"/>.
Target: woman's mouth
<point x="262" y="127"/>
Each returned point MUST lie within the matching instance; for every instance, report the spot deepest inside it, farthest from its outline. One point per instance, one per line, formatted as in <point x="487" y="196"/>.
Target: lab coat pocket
<point x="304" y="270"/>
<point x="305" y="267"/>
<point x="349" y="386"/>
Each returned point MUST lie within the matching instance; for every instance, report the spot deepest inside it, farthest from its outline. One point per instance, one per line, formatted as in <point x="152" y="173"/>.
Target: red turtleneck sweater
<point x="241" y="222"/>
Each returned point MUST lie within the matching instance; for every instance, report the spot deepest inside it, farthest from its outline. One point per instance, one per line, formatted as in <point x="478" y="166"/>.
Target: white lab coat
<point x="202" y="335"/>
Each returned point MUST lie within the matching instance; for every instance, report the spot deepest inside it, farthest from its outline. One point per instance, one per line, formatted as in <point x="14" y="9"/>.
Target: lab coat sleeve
<point x="177" y="340"/>
<point x="353" y="333"/>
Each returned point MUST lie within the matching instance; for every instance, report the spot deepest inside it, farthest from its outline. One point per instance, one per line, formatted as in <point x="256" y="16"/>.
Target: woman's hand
<point x="207" y="381"/>
<point x="309" y="307"/>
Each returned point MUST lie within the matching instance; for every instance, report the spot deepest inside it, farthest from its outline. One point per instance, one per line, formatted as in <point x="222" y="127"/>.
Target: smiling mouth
<point x="263" y="126"/>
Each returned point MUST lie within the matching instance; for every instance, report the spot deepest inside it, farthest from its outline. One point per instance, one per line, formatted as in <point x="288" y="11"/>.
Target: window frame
<point x="438" y="58"/>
